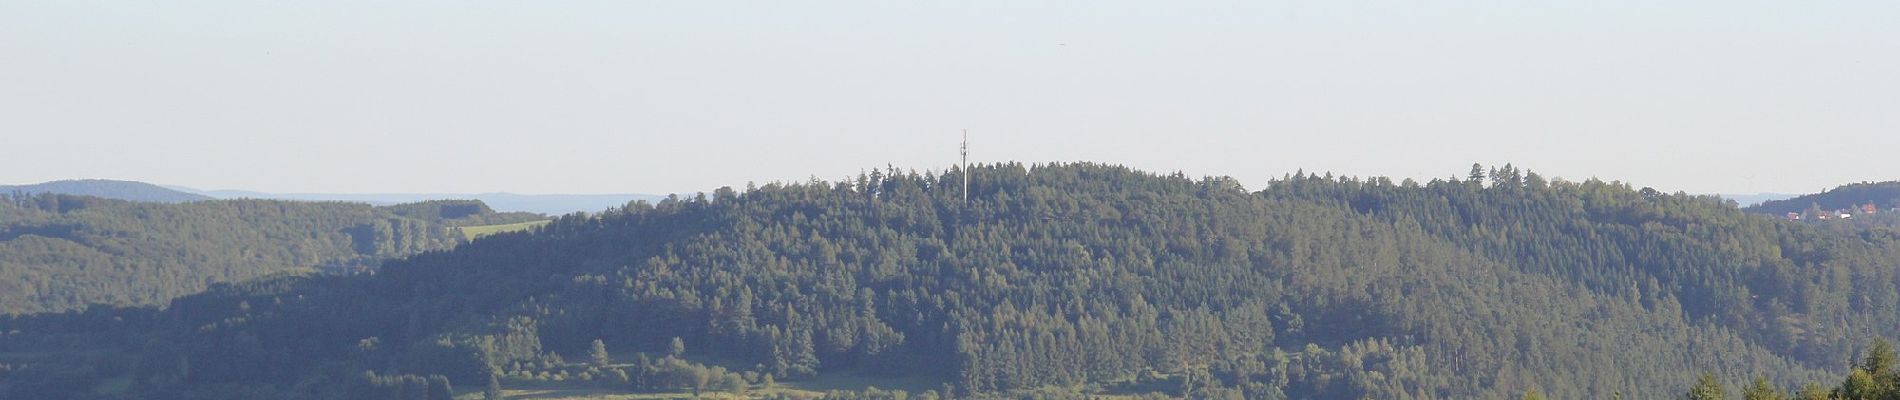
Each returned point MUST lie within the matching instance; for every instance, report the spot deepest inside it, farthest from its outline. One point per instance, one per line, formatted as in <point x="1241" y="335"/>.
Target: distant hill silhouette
<point x="62" y="252"/>
<point x="1748" y="200"/>
<point x="111" y="189"/>
<point x="551" y="204"/>
<point x="1883" y="195"/>
<point x="1047" y="281"/>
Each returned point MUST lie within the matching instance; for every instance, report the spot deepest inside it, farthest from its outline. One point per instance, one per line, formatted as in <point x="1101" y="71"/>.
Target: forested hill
<point x="1884" y="196"/>
<point x="122" y="190"/>
<point x="61" y="252"/>
<point x="1051" y="281"/>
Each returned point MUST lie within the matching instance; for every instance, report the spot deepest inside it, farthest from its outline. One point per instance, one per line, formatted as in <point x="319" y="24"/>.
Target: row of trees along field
<point x="62" y="252"/>
<point x="1054" y="281"/>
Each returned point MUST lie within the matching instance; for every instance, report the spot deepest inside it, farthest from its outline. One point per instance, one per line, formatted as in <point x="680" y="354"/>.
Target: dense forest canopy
<point x="1050" y="281"/>
<point x="64" y="252"/>
<point x="1874" y="376"/>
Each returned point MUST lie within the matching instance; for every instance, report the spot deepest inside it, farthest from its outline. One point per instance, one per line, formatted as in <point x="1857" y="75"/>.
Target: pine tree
<point x="1880" y="359"/>
<point x="1812" y="392"/>
<point x="1861" y="385"/>
<point x="1707" y="388"/>
<point x="1761" y="390"/>
<point x="598" y="354"/>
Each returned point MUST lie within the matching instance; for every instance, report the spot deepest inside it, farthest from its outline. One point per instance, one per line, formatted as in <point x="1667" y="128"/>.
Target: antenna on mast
<point x="965" y="150"/>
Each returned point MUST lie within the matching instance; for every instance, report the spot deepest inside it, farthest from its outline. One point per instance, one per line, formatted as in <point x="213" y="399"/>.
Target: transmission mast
<point x="965" y="150"/>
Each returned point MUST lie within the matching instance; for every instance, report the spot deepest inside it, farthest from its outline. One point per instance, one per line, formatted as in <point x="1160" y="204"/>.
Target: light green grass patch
<point x="472" y="232"/>
<point x="853" y="381"/>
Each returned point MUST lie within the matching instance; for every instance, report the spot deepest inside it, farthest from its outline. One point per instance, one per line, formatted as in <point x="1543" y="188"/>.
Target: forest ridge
<point x="1050" y="281"/>
<point x="63" y="252"/>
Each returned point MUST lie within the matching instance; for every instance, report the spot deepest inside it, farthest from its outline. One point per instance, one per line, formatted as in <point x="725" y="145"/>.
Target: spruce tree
<point x="1761" y="390"/>
<point x="1707" y="388"/>
<point x="598" y="354"/>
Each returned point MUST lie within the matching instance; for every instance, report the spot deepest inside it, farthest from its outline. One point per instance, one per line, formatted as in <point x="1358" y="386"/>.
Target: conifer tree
<point x="598" y="354"/>
<point x="1761" y="390"/>
<point x="1706" y="388"/>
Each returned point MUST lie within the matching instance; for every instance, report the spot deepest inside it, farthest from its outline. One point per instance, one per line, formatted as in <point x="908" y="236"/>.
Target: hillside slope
<point x="1052" y="281"/>
<point x="550" y="204"/>
<point x="111" y="189"/>
<point x="60" y="252"/>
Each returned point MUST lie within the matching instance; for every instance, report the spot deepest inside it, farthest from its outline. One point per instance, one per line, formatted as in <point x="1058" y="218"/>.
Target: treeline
<point x="62" y="252"/>
<point x="1061" y="281"/>
<point x="459" y="213"/>
<point x="1874" y="376"/>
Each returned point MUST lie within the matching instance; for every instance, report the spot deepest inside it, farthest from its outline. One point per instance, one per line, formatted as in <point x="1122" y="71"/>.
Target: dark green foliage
<point x="1760" y="389"/>
<point x="598" y="354"/>
<point x="1880" y="359"/>
<point x="671" y="373"/>
<point x="61" y="252"/>
<point x="1873" y="377"/>
<point x="459" y="213"/>
<point x="1706" y="388"/>
<point x="1812" y="392"/>
<point x="1062" y="276"/>
<point x="399" y="387"/>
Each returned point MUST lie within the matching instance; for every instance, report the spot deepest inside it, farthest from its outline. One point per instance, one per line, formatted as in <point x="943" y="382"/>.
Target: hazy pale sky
<point x="655" y="97"/>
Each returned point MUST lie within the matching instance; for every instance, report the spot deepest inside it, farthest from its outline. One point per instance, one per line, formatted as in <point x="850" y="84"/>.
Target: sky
<point x="663" y="97"/>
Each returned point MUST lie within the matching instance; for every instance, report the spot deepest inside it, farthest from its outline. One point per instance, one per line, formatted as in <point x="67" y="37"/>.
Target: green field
<point x="472" y="232"/>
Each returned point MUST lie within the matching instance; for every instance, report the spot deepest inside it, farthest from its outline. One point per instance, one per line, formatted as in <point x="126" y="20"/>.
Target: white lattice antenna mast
<point x="966" y="165"/>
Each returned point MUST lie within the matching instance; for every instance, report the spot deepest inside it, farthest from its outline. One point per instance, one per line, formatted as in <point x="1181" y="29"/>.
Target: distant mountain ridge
<point x="551" y="204"/>
<point x="111" y="189"/>
<point x="1882" y="195"/>
<point x="1746" y="200"/>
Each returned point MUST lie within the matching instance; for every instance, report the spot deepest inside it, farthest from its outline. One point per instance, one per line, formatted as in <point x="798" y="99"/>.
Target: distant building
<point x="1794" y="216"/>
<point x="1869" y="209"/>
